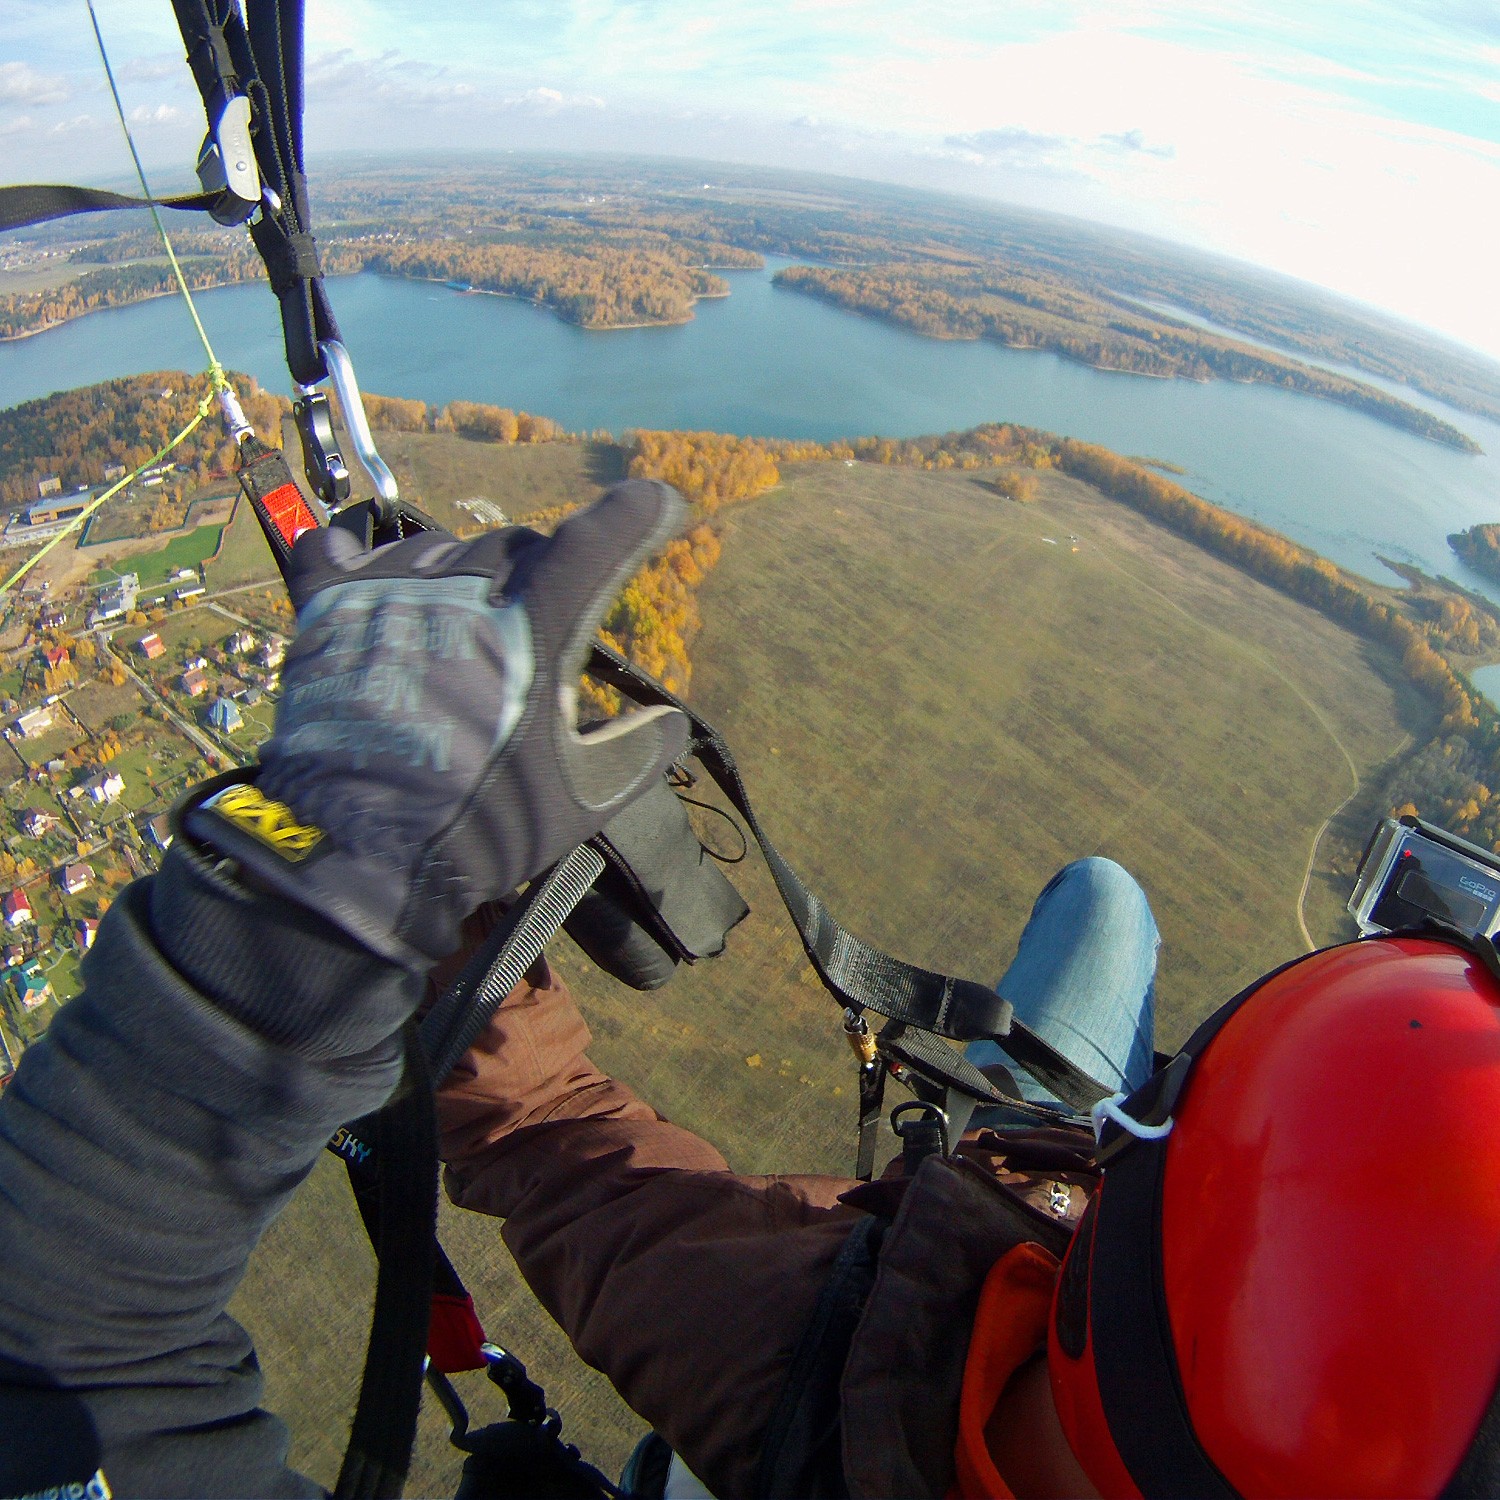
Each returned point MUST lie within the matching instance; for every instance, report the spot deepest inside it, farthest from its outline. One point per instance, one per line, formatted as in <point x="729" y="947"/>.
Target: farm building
<point x="36" y="721"/>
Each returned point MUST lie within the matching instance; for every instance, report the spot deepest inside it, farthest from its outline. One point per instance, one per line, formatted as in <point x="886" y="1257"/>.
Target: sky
<point x="1352" y="143"/>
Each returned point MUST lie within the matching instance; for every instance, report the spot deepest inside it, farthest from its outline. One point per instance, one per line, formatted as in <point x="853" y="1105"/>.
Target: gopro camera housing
<point x="1411" y="870"/>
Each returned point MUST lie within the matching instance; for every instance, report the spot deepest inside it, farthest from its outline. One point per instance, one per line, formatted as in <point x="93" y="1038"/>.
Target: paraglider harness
<point x="640" y="898"/>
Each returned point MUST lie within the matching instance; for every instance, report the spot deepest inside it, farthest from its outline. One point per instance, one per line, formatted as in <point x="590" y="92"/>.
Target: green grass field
<point x="156" y="569"/>
<point x="936" y="702"/>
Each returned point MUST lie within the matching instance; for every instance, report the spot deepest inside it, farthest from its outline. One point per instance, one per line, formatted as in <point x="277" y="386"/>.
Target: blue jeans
<point x="1084" y="979"/>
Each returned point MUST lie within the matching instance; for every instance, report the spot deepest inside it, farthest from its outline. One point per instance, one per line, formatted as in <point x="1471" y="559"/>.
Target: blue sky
<point x="1355" y="143"/>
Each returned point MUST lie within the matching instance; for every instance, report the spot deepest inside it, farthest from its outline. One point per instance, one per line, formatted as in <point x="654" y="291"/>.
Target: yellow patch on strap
<point x="270" y="823"/>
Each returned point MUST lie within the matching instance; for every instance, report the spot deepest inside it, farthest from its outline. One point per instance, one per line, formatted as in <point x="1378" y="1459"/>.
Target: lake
<point x="773" y="362"/>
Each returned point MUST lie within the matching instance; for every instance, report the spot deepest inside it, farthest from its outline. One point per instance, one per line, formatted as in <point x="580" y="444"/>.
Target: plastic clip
<point x="1109" y="1109"/>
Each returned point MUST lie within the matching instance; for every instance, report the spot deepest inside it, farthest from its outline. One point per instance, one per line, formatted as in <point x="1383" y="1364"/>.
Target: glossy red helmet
<point x="1296" y="1292"/>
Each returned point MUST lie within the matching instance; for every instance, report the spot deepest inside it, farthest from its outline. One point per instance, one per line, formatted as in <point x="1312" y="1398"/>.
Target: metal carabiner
<point x="346" y="387"/>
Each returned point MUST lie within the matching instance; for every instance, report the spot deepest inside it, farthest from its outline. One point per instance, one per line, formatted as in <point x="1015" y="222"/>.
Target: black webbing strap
<point x="854" y="973"/>
<point x="498" y="966"/>
<point x="278" y="504"/>
<point x="404" y="1138"/>
<point x="28" y="203"/>
<point x="283" y="232"/>
<point x="391" y="1154"/>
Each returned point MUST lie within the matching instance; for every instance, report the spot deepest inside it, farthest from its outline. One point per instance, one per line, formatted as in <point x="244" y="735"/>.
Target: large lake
<point x="778" y="363"/>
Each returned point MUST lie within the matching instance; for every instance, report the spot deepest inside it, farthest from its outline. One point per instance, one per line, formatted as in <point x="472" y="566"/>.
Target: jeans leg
<point x="1084" y="976"/>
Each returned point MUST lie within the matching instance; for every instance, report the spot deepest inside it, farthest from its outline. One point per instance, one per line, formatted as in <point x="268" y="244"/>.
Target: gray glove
<point x="426" y="756"/>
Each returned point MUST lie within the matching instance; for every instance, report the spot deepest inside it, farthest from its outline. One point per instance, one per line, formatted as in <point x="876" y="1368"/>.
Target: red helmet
<point x="1296" y="1291"/>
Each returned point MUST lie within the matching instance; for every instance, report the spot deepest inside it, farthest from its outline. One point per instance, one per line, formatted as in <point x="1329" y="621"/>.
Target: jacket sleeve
<point x="688" y="1285"/>
<point x="146" y="1142"/>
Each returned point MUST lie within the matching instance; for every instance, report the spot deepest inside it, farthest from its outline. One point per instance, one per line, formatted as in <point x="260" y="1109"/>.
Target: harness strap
<point x="30" y="203"/>
<point x="404" y="1136"/>
<point x="800" y="1448"/>
<point x="859" y="976"/>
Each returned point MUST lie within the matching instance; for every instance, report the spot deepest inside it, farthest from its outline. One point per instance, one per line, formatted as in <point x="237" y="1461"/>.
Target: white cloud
<point x="552" y="101"/>
<point x="154" y="114"/>
<point x="20" y="83"/>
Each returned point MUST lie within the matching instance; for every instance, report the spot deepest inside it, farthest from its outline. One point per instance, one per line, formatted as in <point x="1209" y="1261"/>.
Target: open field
<point x="436" y="471"/>
<point x="243" y="556"/>
<point x="936" y="702"/>
<point x="158" y="569"/>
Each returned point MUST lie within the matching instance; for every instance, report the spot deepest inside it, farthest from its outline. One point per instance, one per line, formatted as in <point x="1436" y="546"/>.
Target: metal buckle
<point x="227" y="166"/>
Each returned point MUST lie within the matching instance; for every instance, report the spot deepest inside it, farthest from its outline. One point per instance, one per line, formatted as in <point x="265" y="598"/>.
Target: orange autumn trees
<point x="709" y="468"/>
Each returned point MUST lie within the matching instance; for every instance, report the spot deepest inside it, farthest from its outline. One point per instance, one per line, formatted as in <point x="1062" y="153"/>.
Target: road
<point x="213" y="753"/>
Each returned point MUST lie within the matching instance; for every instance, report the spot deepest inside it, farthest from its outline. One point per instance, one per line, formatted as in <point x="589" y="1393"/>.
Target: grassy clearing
<point x="934" y="706"/>
<point x="244" y="556"/>
<point x="96" y="703"/>
<point x="437" y="470"/>
<point x="156" y="569"/>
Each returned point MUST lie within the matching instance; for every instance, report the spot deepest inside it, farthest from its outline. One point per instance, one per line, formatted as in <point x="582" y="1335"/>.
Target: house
<point x="193" y="682"/>
<point x="85" y="930"/>
<point x="16" y="907"/>
<point x="113" y="472"/>
<point x="151" y="646"/>
<point x="30" y="985"/>
<point x="195" y="664"/>
<point x="240" y="642"/>
<point x="36" y="824"/>
<point x="116" y="600"/>
<point x="75" y="878"/>
<point x="35" y="722"/>
<point x="104" y="788"/>
<point x="51" y="485"/>
<point x="54" y="656"/>
<point x="273" y="653"/>
<point x="14" y="954"/>
<point x="189" y="591"/>
<point x="224" y="715"/>
<point x="51" y="618"/>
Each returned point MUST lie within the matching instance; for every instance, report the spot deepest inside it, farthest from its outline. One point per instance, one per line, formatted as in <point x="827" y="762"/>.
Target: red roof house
<point x="16" y="907"/>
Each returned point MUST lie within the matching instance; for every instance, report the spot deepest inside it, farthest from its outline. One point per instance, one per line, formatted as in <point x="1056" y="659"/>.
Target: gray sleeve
<point x="145" y="1144"/>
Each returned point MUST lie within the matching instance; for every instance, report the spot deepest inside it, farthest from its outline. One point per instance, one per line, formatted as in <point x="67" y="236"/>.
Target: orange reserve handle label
<point x="271" y="823"/>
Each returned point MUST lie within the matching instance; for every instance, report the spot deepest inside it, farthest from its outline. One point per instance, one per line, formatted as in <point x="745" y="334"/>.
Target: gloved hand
<point x="426" y="756"/>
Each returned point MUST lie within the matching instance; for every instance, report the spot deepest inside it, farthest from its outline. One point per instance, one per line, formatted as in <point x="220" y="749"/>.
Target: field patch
<point x="157" y="569"/>
<point x="243" y="556"/>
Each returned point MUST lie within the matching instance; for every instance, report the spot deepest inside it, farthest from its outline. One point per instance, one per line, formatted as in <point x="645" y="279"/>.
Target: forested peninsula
<point x="1027" y="312"/>
<point x="630" y="282"/>
<point x="1479" y="546"/>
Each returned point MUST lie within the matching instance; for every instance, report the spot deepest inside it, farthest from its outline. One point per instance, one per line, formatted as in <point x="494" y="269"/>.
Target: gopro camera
<point x="1411" y="870"/>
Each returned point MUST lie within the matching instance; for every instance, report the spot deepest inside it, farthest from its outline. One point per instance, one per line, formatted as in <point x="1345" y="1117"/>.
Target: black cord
<point x="739" y="833"/>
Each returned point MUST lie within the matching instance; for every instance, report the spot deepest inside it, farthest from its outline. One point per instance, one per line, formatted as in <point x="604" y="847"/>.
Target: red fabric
<point x="288" y="510"/>
<point x="1010" y="1326"/>
<point x="454" y="1335"/>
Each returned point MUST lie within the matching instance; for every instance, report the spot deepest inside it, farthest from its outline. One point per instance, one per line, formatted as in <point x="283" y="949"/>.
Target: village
<point x="115" y="697"/>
